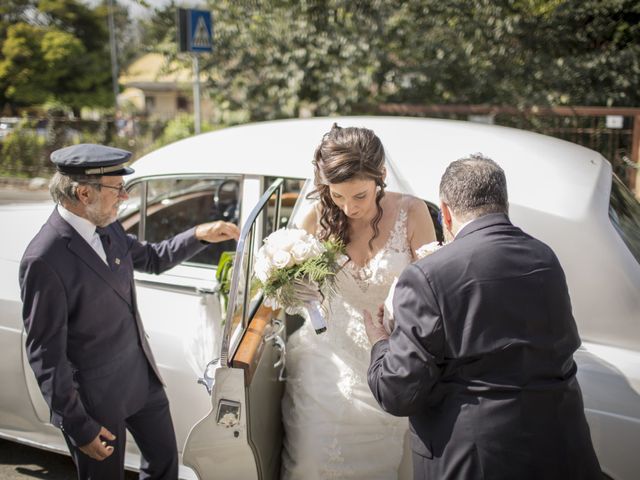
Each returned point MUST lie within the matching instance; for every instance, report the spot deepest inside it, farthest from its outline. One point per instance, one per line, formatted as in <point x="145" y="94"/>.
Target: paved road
<point x="18" y="462"/>
<point x="17" y="195"/>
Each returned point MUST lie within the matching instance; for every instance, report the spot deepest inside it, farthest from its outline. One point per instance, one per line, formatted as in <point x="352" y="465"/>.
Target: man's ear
<point x="83" y="194"/>
<point x="446" y="215"/>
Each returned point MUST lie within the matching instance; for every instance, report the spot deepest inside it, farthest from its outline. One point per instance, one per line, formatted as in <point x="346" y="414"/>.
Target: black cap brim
<point x="123" y="171"/>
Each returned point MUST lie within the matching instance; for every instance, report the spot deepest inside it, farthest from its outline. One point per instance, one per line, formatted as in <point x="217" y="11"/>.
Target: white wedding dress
<point x="334" y="428"/>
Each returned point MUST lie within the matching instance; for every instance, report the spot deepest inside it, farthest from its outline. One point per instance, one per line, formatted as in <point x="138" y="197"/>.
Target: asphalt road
<point x="18" y="462"/>
<point x="10" y="195"/>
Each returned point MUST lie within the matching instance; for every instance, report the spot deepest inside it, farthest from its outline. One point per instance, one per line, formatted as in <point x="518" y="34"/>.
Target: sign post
<point x="195" y="33"/>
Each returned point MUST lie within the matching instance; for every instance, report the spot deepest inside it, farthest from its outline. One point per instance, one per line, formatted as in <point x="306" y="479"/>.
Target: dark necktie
<point x="106" y="242"/>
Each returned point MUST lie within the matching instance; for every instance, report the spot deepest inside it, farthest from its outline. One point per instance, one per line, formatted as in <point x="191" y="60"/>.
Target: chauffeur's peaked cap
<point x="91" y="159"/>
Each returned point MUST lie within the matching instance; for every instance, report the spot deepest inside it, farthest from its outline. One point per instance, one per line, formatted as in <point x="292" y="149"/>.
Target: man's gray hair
<point x="63" y="187"/>
<point x="474" y="186"/>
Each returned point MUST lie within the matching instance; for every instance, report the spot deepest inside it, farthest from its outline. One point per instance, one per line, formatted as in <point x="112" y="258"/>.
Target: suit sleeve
<point x="161" y="256"/>
<point x="45" y="317"/>
<point x="404" y="368"/>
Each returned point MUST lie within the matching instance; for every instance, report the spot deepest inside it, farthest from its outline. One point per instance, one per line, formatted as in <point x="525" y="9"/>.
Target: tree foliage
<point x="318" y="57"/>
<point x="288" y="58"/>
<point x="54" y="51"/>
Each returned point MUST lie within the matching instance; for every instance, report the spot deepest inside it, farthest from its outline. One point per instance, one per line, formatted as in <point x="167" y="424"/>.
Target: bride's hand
<point x="307" y="291"/>
<point x="374" y="328"/>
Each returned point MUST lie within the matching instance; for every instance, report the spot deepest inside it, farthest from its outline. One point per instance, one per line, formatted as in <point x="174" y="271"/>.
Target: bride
<point x="333" y="425"/>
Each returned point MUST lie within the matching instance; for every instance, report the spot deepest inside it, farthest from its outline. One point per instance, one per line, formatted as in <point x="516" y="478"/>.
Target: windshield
<point x="624" y="212"/>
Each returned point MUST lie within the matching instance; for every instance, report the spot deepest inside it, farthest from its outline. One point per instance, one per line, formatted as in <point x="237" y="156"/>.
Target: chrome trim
<point x="171" y="287"/>
<point x="247" y="231"/>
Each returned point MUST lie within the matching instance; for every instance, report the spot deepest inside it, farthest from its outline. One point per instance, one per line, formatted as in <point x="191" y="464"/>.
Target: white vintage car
<point x="223" y="355"/>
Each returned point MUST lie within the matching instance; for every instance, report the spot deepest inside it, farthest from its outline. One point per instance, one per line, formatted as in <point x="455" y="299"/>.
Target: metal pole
<point x="635" y="156"/>
<point x="196" y="93"/>
<point x="114" y="55"/>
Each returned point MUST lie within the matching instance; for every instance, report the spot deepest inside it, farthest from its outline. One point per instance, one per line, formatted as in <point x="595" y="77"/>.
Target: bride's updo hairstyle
<point x="346" y="154"/>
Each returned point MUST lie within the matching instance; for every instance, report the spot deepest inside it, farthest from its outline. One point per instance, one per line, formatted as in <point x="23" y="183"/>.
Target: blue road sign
<point x="200" y="31"/>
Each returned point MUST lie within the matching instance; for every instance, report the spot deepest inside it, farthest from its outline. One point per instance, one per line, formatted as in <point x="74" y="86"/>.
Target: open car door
<point x="241" y="437"/>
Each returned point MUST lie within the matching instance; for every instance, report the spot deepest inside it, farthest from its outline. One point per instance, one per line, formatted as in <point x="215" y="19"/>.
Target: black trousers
<point x="152" y="429"/>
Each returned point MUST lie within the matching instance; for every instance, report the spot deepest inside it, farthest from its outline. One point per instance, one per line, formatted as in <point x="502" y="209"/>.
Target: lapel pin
<point x="117" y="260"/>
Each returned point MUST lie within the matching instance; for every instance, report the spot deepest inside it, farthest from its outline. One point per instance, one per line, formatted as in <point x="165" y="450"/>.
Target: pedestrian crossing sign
<point x="195" y="30"/>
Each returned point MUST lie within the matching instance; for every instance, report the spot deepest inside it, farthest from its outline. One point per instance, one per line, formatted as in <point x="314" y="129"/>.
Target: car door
<point x="242" y="434"/>
<point x="181" y="307"/>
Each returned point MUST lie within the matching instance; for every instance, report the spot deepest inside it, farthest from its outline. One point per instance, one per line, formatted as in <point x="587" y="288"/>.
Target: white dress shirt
<point x="86" y="230"/>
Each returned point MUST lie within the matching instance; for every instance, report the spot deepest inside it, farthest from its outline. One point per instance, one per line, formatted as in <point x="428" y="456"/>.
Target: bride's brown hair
<point x="346" y="154"/>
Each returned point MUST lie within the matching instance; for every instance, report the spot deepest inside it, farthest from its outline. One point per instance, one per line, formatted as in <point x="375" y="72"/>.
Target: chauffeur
<point x="85" y="339"/>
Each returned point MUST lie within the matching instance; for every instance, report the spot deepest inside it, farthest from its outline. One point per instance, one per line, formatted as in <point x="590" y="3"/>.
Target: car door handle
<point x="172" y="287"/>
<point x="207" y="290"/>
<point x="207" y="380"/>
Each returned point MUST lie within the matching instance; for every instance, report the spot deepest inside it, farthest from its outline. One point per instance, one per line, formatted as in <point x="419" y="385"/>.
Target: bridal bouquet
<point x="295" y="270"/>
<point x="423" y="251"/>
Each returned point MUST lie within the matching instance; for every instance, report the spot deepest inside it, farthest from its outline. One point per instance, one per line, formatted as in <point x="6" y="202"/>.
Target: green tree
<point x="55" y="50"/>
<point x="284" y="58"/>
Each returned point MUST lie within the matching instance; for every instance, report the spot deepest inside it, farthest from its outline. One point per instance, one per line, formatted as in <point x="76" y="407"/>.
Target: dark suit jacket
<point x="481" y="360"/>
<point x="85" y="339"/>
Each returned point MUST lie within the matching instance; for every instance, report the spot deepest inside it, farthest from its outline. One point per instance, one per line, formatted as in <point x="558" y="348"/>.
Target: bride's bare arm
<point x="420" y="226"/>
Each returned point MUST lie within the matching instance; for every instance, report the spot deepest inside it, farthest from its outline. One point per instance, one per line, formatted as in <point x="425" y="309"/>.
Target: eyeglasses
<point x="120" y="188"/>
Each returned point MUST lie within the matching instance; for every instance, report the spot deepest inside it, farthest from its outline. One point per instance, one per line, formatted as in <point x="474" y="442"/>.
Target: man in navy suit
<point x="85" y="339"/>
<point x="481" y="358"/>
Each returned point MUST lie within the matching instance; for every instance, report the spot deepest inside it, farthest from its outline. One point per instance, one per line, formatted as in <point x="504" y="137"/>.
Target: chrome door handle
<point x="207" y="380"/>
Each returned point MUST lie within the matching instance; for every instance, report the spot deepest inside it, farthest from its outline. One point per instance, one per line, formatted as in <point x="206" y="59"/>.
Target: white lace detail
<point x="334" y="427"/>
<point x="374" y="269"/>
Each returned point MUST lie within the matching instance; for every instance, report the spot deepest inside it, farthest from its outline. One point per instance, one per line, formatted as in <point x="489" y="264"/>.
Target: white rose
<point x="283" y="239"/>
<point x="301" y="251"/>
<point x="282" y="259"/>
<point x="263" y="269"/>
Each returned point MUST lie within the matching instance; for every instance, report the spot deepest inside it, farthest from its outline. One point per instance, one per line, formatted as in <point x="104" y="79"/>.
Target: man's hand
<point x="219" y="231"/>
<point x="374" y="328"/>
<point x="98" y="449"/>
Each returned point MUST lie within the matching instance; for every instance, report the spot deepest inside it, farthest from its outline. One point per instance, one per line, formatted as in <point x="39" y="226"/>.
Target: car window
<point x="172" y="205"/>
<point x="624" y="212"/>
<point x="290" y="192"/>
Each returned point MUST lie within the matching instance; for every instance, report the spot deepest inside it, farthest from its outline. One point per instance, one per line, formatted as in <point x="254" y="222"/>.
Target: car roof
<point x="542" y="172"/>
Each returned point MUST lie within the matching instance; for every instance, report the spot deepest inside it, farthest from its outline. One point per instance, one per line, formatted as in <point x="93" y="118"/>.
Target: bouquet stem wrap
<point x="316" y="315"/>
